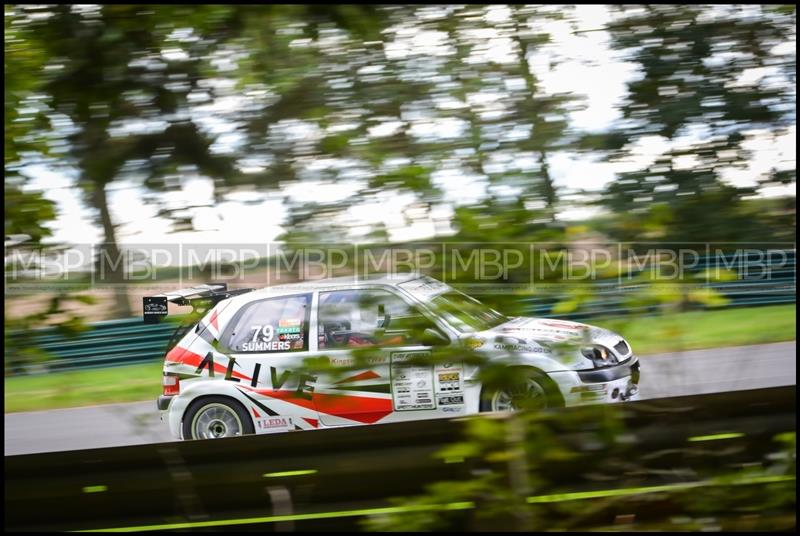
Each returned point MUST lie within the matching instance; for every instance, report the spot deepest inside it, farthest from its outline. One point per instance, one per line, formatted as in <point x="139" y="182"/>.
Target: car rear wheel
<point x="533" y="391"/>
<point x="216" y="417"/>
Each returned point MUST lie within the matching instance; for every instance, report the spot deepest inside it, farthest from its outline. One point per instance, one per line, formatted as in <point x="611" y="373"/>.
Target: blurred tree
<point x="548" y="113"/>
<point x="711" y="79"/>
<point x="117" y="80"/>
<point x="374" y="101"/>
<point x="517" y="136"/>
<point x="380" y="113"/>
<point x="26" y="212"/>
<point x="348" y="88"/>
<point x="130" y="92"/>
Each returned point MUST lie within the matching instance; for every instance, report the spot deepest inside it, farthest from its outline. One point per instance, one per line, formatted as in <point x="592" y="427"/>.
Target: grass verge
<point x="647" y="335"/>
<point x="705" y="329"/>
<point x="131" y="383"/>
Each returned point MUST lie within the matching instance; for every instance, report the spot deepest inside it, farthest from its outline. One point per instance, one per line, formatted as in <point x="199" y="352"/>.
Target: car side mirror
<point x="434" y="337"/>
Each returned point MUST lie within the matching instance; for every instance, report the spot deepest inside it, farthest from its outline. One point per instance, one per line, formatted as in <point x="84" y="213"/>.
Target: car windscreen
<point x="466" y="313"/>
<point x="425" y="288"/>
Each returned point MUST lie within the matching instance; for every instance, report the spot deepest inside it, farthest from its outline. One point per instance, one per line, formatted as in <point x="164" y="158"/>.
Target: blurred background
<point x="141" y="141"/>
<point x="135" y="127"/>
<point x="269" y="129"/>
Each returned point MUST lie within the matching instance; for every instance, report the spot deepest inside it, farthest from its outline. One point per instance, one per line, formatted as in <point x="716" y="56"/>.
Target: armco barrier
<point x="331" y="479"/>
<point x="130" y="341"/>
<point x="104" y="344"/>
<point x="758" y="281"/>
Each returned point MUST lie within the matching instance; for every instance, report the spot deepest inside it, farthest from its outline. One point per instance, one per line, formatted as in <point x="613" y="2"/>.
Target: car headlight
<point x="599" y="354"/>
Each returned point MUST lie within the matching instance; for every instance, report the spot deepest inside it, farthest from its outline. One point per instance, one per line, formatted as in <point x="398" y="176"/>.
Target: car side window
<point x="272" y="325"/>
<point x="368" y="317"/>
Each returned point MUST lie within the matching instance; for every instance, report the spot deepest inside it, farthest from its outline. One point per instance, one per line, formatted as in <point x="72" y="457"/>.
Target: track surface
<point x="694" y="372"/>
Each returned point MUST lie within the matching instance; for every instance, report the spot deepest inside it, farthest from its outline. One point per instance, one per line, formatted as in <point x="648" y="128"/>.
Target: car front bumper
<point x="618" y="383"/>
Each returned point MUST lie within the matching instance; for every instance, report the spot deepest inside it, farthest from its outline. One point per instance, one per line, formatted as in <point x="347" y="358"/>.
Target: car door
<point x="269" y="339"/>
<point x="372" y="339"/>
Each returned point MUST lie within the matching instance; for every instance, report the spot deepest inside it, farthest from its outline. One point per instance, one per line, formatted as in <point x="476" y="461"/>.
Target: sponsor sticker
<point x="412" y="385"/>
<point x="349" y="361"/>
<point x="474" y="343"/>
<point x="449" y="381"/>
<point x="450" y="400"/>
<point x="154" y="307"/>
<point x="449" y="378"/>
<point x="289" y="336"/>
<point x="522" y="348"/>
<point x="561" y="325"/>
<point x="274" y="424"/>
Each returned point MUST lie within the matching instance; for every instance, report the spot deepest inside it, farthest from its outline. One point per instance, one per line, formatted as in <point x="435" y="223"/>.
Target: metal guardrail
<point x="660" y="455"/>
<point x="104" y="344"/>
<point x="130" y="341"/>
<point x="757" y="282"/>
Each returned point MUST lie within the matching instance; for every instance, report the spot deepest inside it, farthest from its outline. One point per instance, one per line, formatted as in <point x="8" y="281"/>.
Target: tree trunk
<point x="110" y="268"/>
<point x="547" y="188"/>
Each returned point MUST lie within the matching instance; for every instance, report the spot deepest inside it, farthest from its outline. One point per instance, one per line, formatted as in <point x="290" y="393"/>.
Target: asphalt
<point x="663" y="375"/>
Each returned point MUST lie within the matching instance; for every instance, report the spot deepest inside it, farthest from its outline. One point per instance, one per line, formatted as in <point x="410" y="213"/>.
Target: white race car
<point x="242" y="369"/>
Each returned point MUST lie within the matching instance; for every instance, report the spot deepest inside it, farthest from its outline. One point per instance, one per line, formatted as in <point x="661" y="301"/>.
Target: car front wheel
<point x="215" y="417"/>
<point x="531" y="390"/>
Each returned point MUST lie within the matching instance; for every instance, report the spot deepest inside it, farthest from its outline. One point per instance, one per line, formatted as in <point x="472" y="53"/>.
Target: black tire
<point x="548" y="394"/>
<point x="223" y="406"/>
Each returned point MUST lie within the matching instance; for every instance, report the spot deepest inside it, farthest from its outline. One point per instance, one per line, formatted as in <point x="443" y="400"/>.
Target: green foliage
<point x="340" y="94"/>
<point x="336" y="94"/>
<point x="693" y="61"/>
<point x="27" y="212"/>
<point x="518" y="464"/>
<point x="22" y="349"/>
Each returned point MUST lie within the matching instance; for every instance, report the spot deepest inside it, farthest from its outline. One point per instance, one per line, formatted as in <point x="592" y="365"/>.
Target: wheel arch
<point x="198" y="400"/>
<point x="206" y="389"/>
<point x="547" y="381"/>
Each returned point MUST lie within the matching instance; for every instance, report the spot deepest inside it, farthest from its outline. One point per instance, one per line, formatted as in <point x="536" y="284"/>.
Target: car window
<point x="273" y="325"/>
<point x="368" y="317"/>
<point x="466" y="313"/>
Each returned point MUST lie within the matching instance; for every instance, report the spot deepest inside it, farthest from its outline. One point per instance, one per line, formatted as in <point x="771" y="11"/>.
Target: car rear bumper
<point x="163" y="402"/>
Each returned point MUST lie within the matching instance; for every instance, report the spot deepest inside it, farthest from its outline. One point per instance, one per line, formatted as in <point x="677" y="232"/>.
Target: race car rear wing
<point x="201" y="298"/>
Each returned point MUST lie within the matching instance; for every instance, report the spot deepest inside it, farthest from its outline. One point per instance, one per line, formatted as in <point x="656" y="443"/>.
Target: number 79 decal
<point x="262" y="340"/>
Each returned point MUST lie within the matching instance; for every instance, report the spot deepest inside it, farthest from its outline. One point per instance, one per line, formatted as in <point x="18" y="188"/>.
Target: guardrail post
<point x="281" y="506"/>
